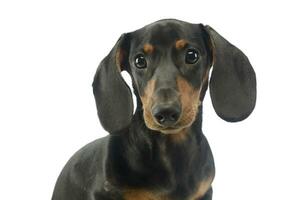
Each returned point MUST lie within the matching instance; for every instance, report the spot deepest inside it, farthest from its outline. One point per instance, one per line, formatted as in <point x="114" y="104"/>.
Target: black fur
<point x="135" y="157"/>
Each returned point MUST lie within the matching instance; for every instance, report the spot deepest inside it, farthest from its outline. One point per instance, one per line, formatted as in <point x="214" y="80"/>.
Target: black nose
<point x="166" y="115"/>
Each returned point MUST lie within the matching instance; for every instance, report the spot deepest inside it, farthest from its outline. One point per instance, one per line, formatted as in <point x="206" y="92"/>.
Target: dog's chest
<point x="180" y="190"/>
<point x="171" y="171"/>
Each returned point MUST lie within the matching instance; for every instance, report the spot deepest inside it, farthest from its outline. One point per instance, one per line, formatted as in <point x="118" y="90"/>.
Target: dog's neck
<point x="140" y="157"/>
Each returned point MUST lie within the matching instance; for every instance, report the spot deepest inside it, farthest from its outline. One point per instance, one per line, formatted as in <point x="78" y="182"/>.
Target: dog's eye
<point x="191" y="56"/>
<point x="140" y="61"/>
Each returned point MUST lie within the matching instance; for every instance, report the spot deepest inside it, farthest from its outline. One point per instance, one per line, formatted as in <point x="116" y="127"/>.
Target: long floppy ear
<point x="233" y="80"/>
<point x="112" y="94"/>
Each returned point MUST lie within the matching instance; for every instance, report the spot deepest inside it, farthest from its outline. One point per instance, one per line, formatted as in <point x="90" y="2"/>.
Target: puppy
<point x="159" y="152"/>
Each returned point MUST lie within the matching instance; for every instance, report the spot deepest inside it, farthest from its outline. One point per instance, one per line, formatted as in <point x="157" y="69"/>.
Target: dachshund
<point x="159" y="152"/>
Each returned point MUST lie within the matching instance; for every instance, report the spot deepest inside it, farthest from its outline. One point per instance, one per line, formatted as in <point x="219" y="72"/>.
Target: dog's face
<point x="169" y="62"/>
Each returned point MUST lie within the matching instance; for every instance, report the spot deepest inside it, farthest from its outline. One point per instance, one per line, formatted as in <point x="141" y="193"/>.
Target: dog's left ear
<point x="233" y="80"/>
<point x="112" y="94"/>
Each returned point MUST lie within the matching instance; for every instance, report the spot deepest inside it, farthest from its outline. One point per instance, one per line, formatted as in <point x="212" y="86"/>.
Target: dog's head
<point x="169" y="62"/>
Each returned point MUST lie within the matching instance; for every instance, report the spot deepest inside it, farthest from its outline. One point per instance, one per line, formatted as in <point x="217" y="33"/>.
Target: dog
<point x="159" y="152"/>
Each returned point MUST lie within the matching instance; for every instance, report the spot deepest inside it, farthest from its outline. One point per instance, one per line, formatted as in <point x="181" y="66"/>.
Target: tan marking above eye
<point x="148" y="48"/>
<point x="180" y="44"/>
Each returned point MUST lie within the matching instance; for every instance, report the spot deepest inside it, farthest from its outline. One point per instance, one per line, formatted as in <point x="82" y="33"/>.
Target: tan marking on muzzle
<point x="180" y="44"/>
<point x="147" y="102"/>
<point x="189" y="99"/>
<point x="148" y="48"/>
<point x="190" y="102"/>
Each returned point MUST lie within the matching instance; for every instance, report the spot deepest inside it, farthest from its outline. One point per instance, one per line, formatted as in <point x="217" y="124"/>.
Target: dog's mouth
<point x="183" y="123"/>
<point x="170" y="130"/>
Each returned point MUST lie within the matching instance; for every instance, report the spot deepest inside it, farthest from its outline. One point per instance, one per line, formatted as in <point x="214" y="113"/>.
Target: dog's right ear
<point x="112" y="94"/>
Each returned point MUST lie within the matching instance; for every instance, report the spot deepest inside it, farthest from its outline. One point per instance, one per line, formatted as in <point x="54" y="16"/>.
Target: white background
<point x="49" y="52"/>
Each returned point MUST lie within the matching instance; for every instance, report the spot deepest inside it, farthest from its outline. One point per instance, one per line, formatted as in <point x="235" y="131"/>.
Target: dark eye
<point x="191" y="56"/>
<point x="140" y="61"/>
